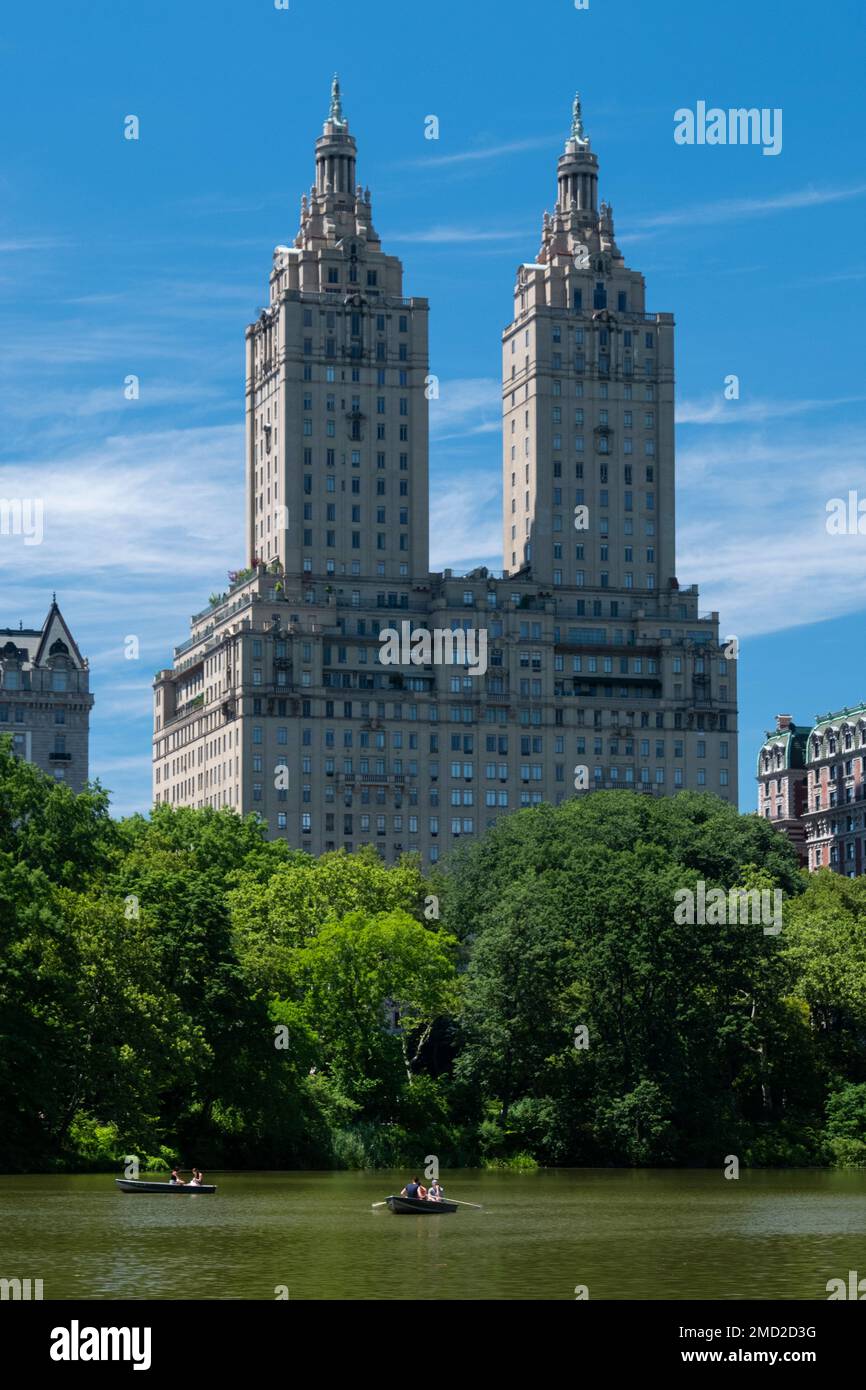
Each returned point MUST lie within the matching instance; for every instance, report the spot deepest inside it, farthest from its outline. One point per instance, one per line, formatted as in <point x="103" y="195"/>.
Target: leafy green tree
<point x="86" y="1027"/>
<point x="355" y="974"/>
<point x="44" y="825"/>
<point x="214" y="841"/>
<point x="687" y="1034"/>
<point x="845" y="1132"/>
<point x="274" y="916"/>
<point x="825" y="936"/>
<point x="181" y="895"/>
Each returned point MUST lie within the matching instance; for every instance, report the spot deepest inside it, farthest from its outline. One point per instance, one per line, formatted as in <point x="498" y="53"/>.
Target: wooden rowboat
<point x="419" y="1206"/>
<point x="137" y="1185"/>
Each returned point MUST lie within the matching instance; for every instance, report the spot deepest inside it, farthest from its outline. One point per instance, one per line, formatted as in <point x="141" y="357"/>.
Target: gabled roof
<point x="55" y="629"/>
<point x="37" y="642"/>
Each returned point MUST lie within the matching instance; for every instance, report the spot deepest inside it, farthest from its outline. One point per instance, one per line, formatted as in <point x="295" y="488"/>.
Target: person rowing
<point x="176" y="1180"/>
<point x="412" y="1190"/>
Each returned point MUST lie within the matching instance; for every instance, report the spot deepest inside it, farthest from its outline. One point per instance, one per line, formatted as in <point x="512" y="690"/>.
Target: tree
<point x="352" y="973"/>
<point x="273" y="916"/>
<point x="575" y="930"/>
<point x="825" y="947"/>
<point x="44" y="825"/>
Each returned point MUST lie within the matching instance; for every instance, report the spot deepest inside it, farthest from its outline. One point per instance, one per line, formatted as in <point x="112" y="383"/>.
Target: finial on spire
<point x="577" y="122"/>
<point x="336" y="113"/>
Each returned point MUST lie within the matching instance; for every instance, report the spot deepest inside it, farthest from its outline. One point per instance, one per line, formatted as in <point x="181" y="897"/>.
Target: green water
<point x="625" y="1235"/>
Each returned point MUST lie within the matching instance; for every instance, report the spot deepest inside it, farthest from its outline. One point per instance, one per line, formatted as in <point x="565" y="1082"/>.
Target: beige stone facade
<point x="599" y="670"/>
<point x="45" y="698"/>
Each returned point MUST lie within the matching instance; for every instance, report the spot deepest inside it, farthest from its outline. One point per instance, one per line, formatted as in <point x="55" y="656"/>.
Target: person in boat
<point x="422" y="1192"/>
<point x="175" y="1179"/>
<point x="412" y="1189"/>
<point x="195" y="1180"/>
<point x="435" y="1193"/>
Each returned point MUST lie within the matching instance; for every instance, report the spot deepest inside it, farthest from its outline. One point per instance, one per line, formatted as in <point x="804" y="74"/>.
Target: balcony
<point x="60" y="757"/>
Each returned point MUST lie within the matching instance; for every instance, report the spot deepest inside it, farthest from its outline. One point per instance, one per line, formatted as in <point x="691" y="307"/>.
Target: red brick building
<point x="812" y="785"/>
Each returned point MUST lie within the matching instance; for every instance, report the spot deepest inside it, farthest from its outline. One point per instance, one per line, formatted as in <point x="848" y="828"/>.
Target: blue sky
<point x="149" y="258"/>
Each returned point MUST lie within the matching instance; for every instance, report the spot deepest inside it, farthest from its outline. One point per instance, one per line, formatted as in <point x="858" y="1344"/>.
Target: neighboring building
<point x="600" y="669"/>
<point x="782" y="779"/>
<point x="45" y="699"/>
<point x="812" y="783"/>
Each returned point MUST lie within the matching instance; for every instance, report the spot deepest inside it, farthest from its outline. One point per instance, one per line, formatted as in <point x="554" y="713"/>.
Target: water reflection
<point x="657" y="1235"/>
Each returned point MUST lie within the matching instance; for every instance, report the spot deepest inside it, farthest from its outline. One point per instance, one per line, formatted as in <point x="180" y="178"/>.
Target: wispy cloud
<point x="15" y="244"/>
<point x="455" y="235"/>
<point x="68" y="404"/>
<point x="469" y="405"/>
<point x="715" y="410"/>
<point x="752" y="525"/>
<point x="106" y="508"/>
<point x="483" y="153"/>
<point x="734" y="209"/>
<point x="466" y="523"/>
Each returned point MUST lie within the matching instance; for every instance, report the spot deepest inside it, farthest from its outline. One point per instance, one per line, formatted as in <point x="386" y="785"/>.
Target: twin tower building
<point x="344" y="692"/>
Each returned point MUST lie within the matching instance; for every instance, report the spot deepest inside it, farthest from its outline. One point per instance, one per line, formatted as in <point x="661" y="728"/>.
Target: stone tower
<point x="588" y="405"/>
<point x="336" y="392"/>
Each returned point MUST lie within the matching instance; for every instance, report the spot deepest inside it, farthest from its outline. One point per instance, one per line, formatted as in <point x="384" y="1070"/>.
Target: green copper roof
<point x="794" y="741"/>
<point x="840" y="717"/>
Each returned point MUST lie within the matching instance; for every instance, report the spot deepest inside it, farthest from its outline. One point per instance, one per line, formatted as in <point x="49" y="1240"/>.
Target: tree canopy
<point x="177" y="987"/>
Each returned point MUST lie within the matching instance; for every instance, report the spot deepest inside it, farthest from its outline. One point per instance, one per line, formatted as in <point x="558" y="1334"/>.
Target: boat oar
<point x="476" y="1205"/>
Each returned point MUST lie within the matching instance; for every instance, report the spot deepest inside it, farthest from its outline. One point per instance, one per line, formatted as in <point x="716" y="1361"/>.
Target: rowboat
<point x="137" y="1185"/>
<point x="418" y="1206"/>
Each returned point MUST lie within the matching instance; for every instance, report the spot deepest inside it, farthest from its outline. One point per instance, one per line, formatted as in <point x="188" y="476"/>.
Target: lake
<point x="623" y="1234"/>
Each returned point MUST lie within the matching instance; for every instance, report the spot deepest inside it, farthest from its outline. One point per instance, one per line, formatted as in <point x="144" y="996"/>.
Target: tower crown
<point x="337" y="208"/>
<point x="577" y="171"/>
<point x="336" y="153"/>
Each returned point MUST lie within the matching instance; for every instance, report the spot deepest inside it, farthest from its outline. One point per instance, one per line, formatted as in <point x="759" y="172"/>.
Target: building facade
<point x="45" y="698"/>
<point x="812" y="786"/>
<point x="599" y="671"/>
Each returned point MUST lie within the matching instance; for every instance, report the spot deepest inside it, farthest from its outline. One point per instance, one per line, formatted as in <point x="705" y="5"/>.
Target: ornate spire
<point x="336" y="112"/>
<point x="577" y="122"/>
